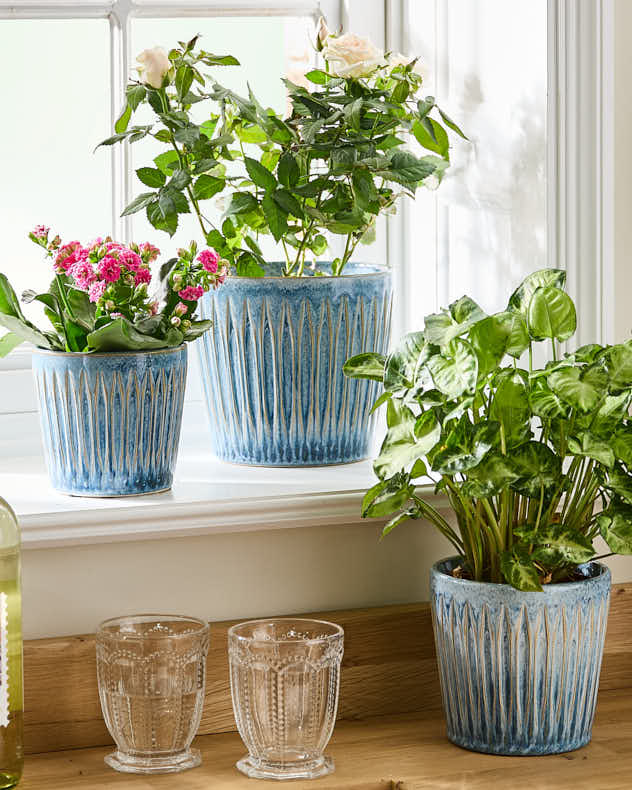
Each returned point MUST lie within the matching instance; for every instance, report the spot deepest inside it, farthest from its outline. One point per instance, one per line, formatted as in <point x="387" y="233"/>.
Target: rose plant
<point x="337" y="162"/>
<point x="99" y="299"/>
<point x="535" y="462"/>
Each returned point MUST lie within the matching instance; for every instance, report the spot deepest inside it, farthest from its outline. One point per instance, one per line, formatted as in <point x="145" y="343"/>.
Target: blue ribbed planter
<point x="272" y="366"/>
<point x="111" y="422"/>
<point x="519" y="670"/>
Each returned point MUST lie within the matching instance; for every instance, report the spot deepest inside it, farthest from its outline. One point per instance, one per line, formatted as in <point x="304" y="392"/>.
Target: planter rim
<point x="548" y="589"/>
<point x="380" y="269"/>
<point x="92" y="354"/>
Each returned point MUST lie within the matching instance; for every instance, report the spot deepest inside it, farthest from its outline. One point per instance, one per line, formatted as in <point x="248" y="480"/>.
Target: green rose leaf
<point x="123" y="120"/>
<point x="288" y="171"/>
<point x="275" y="216"/>
<point x="288" y="203"/>
<point x="365" y="366"/>
<point x="551" y="314"/>
<point x="140" y="202"/>
<point x="151" y="177"/>
<point x="260" y="175"/>
<point x="241" y="203"/>
<point x="206" y="186"/>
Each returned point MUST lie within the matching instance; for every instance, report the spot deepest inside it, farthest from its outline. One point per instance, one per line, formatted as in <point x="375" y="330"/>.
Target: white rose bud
<point x="352" y="56"/>
<point x="403" y="60"/>
<point x="322" y="34"/>
<point x="154" y="64"/>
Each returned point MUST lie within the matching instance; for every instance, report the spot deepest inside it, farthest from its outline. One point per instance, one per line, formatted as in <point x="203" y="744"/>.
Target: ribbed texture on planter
<point x="111" y="422"/>
<point x="519" y="671"/>
<point x="272" y="366"/>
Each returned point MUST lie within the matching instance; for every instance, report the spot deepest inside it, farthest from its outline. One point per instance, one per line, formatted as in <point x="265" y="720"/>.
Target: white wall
<point x="248" y="574"/>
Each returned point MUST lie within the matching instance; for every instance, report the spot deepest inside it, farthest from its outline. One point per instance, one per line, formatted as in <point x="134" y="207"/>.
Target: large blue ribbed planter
<point x="272" y="366"/>
<point x="519" y="670"/>
<point x="111" y="422"/>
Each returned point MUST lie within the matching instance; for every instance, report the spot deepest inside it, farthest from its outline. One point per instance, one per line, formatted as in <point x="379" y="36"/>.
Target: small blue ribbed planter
<point x="272" y="366"/>
<point x="111" y="421"/>
<point x="519" y="670"/>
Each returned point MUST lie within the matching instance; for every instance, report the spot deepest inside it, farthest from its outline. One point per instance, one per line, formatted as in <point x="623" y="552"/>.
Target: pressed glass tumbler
<point x="151" y="671"/>
<point x="285" y="678"/>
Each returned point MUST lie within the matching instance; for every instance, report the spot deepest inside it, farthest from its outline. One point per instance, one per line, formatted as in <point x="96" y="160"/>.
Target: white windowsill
<point x="208" y="496"/>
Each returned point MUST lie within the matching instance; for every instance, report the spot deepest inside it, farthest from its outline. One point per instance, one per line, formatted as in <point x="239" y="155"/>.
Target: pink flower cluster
<point x="103" y="262"/>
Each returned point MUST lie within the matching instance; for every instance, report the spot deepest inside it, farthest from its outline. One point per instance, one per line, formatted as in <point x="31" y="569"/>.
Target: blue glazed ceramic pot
<point x="111" y="422"/>
<point x="272" y="366"/>
<point x="519" y="670"/>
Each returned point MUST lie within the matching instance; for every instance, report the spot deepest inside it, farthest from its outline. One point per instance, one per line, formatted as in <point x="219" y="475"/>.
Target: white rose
<point x="352" y="56"/>
<point x="403" y="60"/>
<point x="154" y="64"/>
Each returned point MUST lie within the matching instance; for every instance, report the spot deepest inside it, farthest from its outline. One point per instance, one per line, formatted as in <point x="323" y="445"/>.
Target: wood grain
<point x="388" y="668"/>
<point x="408" y="752"/>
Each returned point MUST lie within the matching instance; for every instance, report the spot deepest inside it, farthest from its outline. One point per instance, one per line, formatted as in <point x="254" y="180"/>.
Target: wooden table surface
<point x="408" y="752"/>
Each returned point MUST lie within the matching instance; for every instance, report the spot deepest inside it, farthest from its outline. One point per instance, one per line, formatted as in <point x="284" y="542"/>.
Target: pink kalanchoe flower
<point x="191" y="293"/>
<point x="180" y="308"/>
<point x="130" y="259"/>
<point x="153" y="308"/>
<point x="67" y="255"/>
<point x="149" y="252"/>
<point x="83" y="274"/>
<point x="109" y="269"/>
<point x="96" y="290"/>
<point x="40" y="231"/>
<point x="209" y="260"/>
<point x="142" y="276"/>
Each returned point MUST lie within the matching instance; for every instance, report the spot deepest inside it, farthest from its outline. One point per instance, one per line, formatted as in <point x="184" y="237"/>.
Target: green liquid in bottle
<point x="11" y="687"/>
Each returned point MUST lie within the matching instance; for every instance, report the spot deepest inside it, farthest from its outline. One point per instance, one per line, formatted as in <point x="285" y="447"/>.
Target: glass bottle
<point x="11" y="689"/>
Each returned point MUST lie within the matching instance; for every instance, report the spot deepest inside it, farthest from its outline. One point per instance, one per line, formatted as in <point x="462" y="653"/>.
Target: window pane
<point x="488" y="64"/>
<point x="56" y="100"/>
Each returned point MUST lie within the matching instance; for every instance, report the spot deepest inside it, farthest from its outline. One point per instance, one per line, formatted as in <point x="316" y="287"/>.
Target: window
<point x="70" y="61"/>
<point x="531" y="190"/>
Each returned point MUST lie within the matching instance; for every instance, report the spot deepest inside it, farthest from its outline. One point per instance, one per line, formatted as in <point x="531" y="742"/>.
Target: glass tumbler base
<point x="260" y="769"/>
<point x="132" y="764"/>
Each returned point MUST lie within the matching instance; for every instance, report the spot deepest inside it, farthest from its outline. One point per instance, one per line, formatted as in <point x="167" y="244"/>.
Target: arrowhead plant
<point x="535" y="462"/>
